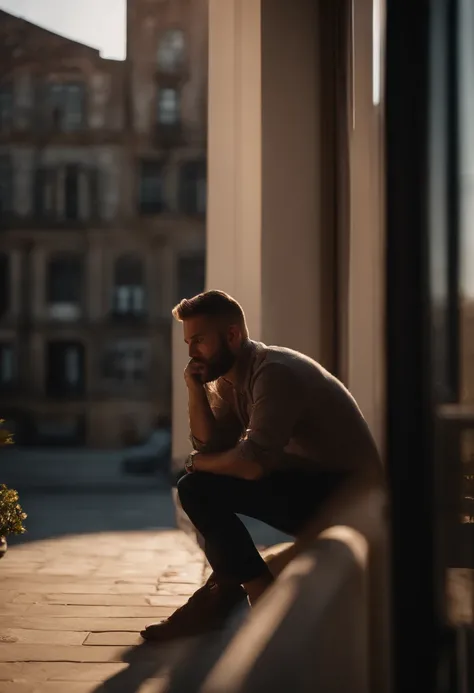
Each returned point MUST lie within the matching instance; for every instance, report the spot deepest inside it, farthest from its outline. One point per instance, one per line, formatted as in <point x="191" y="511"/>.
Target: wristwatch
<point x="189" y="464"/>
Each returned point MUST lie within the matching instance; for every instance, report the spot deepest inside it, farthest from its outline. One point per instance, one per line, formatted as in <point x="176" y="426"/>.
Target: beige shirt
<point x="287" y="411"/>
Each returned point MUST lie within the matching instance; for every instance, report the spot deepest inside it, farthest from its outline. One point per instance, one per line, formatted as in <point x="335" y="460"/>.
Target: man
<point x="275" y="435"/>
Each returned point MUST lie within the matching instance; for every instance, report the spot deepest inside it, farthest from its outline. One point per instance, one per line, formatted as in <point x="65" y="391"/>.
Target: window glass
<point x="171" y="50"/>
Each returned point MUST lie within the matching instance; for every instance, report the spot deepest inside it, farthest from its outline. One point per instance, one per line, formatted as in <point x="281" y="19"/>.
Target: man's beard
<point x="219" y="364"/>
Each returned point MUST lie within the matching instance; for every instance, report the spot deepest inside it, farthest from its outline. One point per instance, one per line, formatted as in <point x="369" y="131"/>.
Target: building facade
<point x="102" y="221"/>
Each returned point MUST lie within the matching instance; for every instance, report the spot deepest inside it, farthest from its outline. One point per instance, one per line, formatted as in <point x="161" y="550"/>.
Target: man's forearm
<point x="229" y="463"/>
<point x="201" y="419"/>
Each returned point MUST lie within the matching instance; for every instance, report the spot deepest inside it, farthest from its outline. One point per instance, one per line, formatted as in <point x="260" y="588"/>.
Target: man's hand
<point x="193" y="373"/>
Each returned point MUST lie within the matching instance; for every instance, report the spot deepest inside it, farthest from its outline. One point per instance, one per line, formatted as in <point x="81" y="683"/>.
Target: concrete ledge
<point x="310" y="632"/>
<point x="324" y="624"/>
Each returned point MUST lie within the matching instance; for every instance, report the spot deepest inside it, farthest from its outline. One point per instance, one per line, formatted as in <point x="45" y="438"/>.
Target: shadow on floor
<point x="309" y="635"/>
<point x="183" y="666"/>
<point x="52" y="515"/>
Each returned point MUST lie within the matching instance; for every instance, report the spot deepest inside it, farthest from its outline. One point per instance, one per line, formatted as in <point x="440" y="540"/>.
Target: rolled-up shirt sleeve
<point x="278" y="401"/>
<point x="228" y="427"/>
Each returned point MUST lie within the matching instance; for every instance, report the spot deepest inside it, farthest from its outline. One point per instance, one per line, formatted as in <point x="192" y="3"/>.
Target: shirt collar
<point x="245" y="365"/>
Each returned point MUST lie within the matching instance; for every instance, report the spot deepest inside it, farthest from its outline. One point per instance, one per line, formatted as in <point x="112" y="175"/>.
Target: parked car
<point x="150" y="457"/>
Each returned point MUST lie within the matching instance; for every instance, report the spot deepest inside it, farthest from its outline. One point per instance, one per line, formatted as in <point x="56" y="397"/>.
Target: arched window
<point x="129" y="285"/>
<point x="171" y="50"/>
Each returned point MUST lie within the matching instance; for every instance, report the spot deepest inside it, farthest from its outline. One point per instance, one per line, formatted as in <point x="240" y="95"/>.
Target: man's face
<point x="211" y="348"/>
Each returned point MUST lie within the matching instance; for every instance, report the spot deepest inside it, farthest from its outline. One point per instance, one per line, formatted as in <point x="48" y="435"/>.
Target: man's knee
<point x="190" y="489"/>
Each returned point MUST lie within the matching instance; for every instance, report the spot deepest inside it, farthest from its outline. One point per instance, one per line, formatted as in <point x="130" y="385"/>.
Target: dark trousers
<point x="283" y="500"/>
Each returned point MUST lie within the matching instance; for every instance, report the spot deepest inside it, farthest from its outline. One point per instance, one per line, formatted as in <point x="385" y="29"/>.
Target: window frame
<point x="60" y="123"/>
<point x="168" y="122"/>
<point x="134" y="288"/>
<point x="145" y="206"/>
<point x="421" y="143"/>
<point x="121" y="350"/>
<point x="74" y="264"/>
<point x="50" y="188"/>
<point x="57" y="386"/>
<point x="198" y="257"/>
<point x="189" y="187"/>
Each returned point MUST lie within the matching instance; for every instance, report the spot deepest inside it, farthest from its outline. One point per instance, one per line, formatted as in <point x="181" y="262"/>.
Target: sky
<point x="98" y="23"/>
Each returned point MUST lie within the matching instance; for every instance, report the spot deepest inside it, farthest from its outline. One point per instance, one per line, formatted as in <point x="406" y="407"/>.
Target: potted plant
<point x="11" y="512"/>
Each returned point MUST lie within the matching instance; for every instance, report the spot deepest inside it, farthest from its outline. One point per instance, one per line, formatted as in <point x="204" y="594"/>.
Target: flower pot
<point x="3" y="546"/>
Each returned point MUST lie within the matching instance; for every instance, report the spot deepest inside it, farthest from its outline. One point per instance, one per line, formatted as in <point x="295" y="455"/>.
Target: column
<point x="264" y="222"/>
<point x="83" y="191"/>
<point x="35" y="285"/>
<point x="15" y="283"/>
<point x="264" y="212"/>
<point x="96" y="291"/>
<point x="366" y="297"/>
<point x="59" y="194"/>
<point x="366" y="265"/>
<point x="234" y="217"/>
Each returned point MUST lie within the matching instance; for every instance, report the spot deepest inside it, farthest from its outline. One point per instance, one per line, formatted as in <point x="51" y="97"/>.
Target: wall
<point x="292" y="222"/>
<point x="264" y="217"/>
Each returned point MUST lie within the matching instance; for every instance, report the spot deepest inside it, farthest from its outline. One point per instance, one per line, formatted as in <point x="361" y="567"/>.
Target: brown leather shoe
<point x="205" y="611"/>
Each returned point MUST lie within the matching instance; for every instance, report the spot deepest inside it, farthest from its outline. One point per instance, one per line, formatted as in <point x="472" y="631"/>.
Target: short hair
<point x="213" y="304"/>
